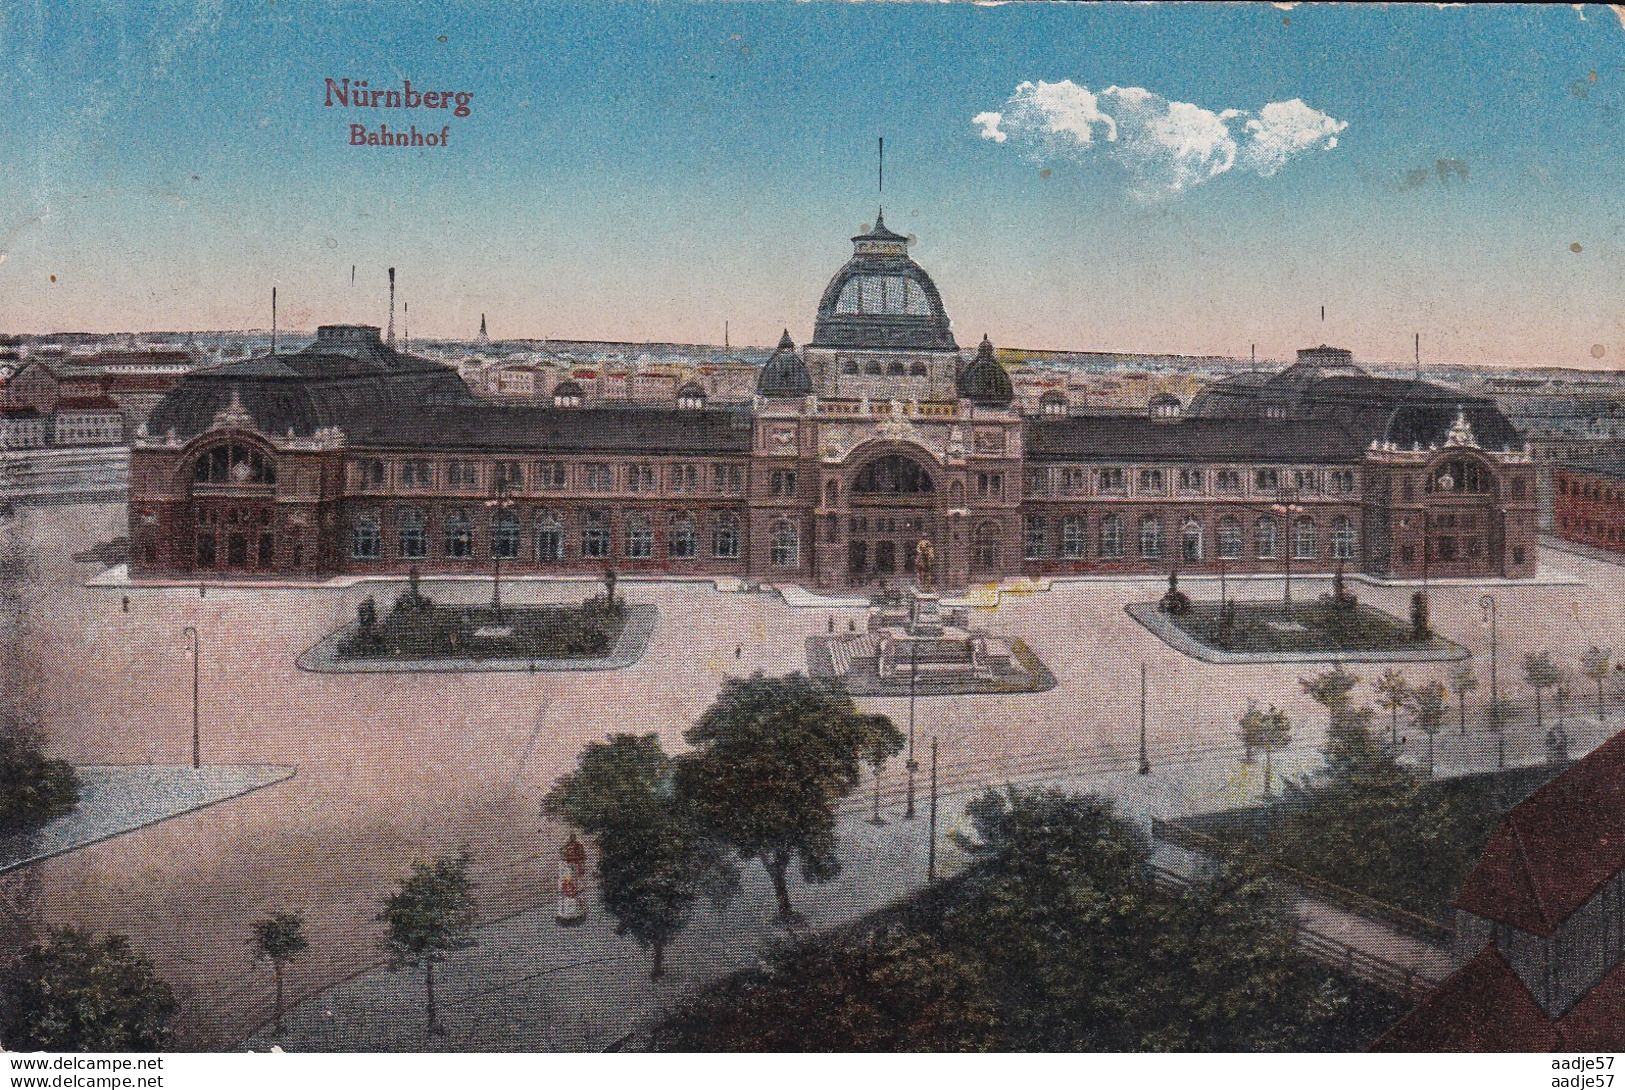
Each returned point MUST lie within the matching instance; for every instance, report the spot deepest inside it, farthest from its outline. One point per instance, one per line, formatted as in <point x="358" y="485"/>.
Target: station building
<point x="350" y="456"/>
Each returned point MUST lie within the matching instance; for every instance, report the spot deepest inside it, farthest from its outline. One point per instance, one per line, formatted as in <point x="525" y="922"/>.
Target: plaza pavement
<point x="401" y="767"/>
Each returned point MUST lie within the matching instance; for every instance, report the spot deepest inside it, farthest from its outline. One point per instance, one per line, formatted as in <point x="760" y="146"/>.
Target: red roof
<point x="1553" y="850"/>
<point x="87" y="404"/>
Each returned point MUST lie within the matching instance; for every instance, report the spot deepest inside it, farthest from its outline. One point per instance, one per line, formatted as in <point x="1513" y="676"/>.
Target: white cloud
<point x="1165" y="146"/>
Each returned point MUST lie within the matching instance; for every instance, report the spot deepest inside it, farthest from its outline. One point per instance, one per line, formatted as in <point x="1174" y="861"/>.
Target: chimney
<point x="389" y="339"/>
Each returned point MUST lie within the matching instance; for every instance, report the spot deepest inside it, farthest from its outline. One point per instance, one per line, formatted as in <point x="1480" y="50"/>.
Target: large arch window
<point x="1191" y="541"/>
<point x="640" y="538"/>
<point x="680" y="536"/>
<point x="725" y="537"/>
<point x="505" y="536"/>
<point x="1265" y="534"/>
<point x="1111" y="537"/>
<point x="366" y="543"/>
<point x="786" y="551"/>
<point x="1229" y="538"/>
<point x="594" y="535"/>
<point x="1074" y="535"/>
<point x="1305" y="540"/>
<point x="549" y="539"/>
<point x="877" y="294"/>
<point x="414" y="537"/>
<point x="1461" y="475"/>
<point x="233" y="463"/>
<point x="459" y="535"/>
<point x="985" y="546"/>
<point x="1150" y="537"/>
<point x="892" y="475"/>
<point x="1343" y="539"/>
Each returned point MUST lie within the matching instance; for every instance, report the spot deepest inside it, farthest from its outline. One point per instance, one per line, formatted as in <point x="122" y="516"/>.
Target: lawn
<point x="1271" y="627"/>
<point x="433" y="631"/>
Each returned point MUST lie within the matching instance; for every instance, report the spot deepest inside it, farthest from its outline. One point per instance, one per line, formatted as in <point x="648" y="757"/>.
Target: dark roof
<point x="1553" y="850"/>
<point x="1136" y="437"/>
<point x="546" y="429"/>
<point x="569" y="388"/>
<point x="880" y="233"/>
<point x="1612" y="465"/>
<point x="985" y="382"/>
<point x="1481" y="1007"/>
<point x="784" y="374"/>
<point x="882" y="252"/>
<point x="97" y="403"/>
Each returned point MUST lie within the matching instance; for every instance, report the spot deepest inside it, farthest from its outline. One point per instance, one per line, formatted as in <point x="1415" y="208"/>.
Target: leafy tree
<point x="1427" y="713"/>
<point x="76" y="992"/>
<point x="1331" y="687"/>
<point x="279" y="938"/>
<point x="1275" y="732"/>
<point x="773" y="757"/>
<point x="1392" y="692"/>
<point x="1541" y="673"/>
<point x="33" y="788"/>
<point x="1596" y="664"/>
<point x="430" y="915"/>
<point x="654" y="860"/>
<point x="1463" y="681"/>
<point x="1252" y="729"/>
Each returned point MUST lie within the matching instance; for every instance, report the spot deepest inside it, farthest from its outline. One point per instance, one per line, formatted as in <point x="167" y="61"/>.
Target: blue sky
<point x="649" y="171"/>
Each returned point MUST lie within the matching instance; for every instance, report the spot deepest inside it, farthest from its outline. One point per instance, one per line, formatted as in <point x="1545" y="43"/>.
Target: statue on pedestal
<point x="925" y="556"/>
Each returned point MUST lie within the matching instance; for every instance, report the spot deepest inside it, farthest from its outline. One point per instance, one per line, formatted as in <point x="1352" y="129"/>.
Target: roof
<point x="1136" y="437"/>
<point x="909" y="315"/>
<point x="985" y="382"/>
<point x="654" y="429"/>
<point x="785" y="374"/>
<point x="1553" y="850"/>
<point x="98" y="403"/>
<point x="1612" y="465"/>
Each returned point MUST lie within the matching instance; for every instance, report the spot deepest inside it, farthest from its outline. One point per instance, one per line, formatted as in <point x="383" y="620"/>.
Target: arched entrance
<point x="892" y="504"/>
<point x="233" y="486"/>
<point x="1464" y="526"/>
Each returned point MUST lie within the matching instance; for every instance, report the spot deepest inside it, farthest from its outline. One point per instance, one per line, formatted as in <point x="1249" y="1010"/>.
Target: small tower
<point x="484" y="338"/>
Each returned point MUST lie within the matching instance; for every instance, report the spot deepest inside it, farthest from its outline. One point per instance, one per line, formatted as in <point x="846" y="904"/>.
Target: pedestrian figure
<point x="851" y="624"/>
<point x="832" y="624"/>
<point x="738" y="650"/>
<point x="126" y="603"/>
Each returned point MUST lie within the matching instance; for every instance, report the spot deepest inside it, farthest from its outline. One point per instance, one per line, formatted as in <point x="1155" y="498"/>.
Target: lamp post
<point x="1488" y="604"/>
<point x="497" y="505"/>
<point x="912" y="766"/>
<point x="1145" y="758"/>
<point x="196" y="739"/>
<point x="1286" y="508"/>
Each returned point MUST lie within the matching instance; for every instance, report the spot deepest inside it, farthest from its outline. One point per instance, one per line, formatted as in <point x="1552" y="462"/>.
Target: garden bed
<point x="1275" y="631"/>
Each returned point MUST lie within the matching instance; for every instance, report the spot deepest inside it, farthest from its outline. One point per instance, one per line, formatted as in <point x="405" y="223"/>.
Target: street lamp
<point x="498" y="505"/>
<point x="1286" y="509"/>
<point x="1488" y="604"/>
<point x="1145" y="757"/>
<point x="196" y="754"/>
<point x="912" y="765"/>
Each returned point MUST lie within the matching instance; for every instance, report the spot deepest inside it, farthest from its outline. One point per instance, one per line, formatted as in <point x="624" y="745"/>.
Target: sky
<point x="1130" y="178"/>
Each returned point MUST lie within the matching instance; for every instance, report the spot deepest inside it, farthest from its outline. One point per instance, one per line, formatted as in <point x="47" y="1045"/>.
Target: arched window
<point x="459" y="535"/>
<point x="895" y="367"/>
<point x="725" y="537"/>
<point x="1265" y="534"/>
<point x="1150" y="537"/>
<point x="414" y="538"/>
<point x="985" y="546"/>
<point x="786" y="551"/>
<point x="832" y="493"/>
<point x="365" y="540"/>
<point x="917" y="369"/>
<point x="233" y="464"/>
<point x="892" y="475"/>
<point x="1305" y="539"/>
<point x="1191" y="540"/>
<point x="956" y="492"/>
<point x="549" y="538"/>
<point x="680" y="536"/>
<point x="594" y="535"/>
<point x="1035" y="529"/>
<point x="1229" y="538"/>
<point x="505" y="536"/>
<point x="1074" y="535"/>
<point x="640" y="538"/>
<point x="1111" y="537"/>
<point x="1342" y="538"/>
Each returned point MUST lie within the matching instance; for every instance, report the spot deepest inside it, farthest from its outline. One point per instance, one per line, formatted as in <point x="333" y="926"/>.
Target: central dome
<point x="882" y="299"/>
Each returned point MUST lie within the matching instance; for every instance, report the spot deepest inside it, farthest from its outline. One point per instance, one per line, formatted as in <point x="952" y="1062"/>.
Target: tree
<point x="772" y="759"/>
<point x="1392" y="692"/>
<point x="430" y="915"/>
<point x="1427" y="713"/>
<point x="1252" y="729"/>
<point x="654" y="860"/>
<point x="1596" y="664"/>
<point x="1275" y="731"/>
<point x="79" y="993"/>
<point x="279" y="938"/>
<point x="33" y="788"/>
<point x="1331" y="687"/>
<point x="1541" y="673"/>
<point x="1463" y="681"/>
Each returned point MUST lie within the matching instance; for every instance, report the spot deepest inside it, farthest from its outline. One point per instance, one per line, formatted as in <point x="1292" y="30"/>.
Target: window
<point x="640" y="538"/>
<point x="459" y="535"/>
<point x="1150" y="537"/>
<point x="414" y="539"/>
<point x="985" y="549"/>
<point x="551" y="476"/>
<point x="725" y="538"/>
<point x="365" y="540"/>
<point x="416" y="473"/>
<point x="1033" y="529"/>
<point x="1517" y="554"/>
<point x="508" y="475"/>
<point x="1229" y="538"/>
<point x="1341" y="481"/>
<point x="1342" y="538"/>
<point x="1111" y="480"/>
<point x="1074" y="480"/>
<point x="1074" y="533"/>
<point x="1150" y="480"/>
<point x="233" y="464"/>
<point x="685" y="478"/>
<point x="1266" y="480"/>
<point x="727" y="478"/>
<point x="461" y="474"/>
<point x="505" y="536"/>
<point x="681" y="543"/>
<point x="1191" y="540"/>
<point x="640" y="477"/>
<point x="1517" y="488"/>
<point x="990" y="485"/>
<point x="1306" y="480"/>
<point x="549" y="539"/>
<point x="782" y="482"/>
<point x="1228" y="481"/>
<point x="786" y="551"/>
<point x="1305" y="540"/>
<point x="892" y="475"/>
<point x="594" y="535"/>
<point x="1192" y="480"/>
<point x="1265" y="534"/>
<point x="598" y="477"/>
<point x="374" y="473"/>
<point x="1111" y="537"/>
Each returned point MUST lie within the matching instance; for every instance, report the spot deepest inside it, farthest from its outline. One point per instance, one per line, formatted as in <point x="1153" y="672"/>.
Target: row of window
<point x="551" y="537"/>
<point x="1068" y="538"/>
<point x="544" y="476"/>
<point x="1588" y="490"/>
<point x="1114" y="480"/>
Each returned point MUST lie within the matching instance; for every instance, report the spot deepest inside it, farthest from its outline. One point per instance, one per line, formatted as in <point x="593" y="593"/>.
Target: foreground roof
<point x="1125" y="437"/>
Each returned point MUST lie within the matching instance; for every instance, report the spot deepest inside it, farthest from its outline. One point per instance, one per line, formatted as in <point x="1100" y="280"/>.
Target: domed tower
<point x="881" y="331"/>
<point x="985" y="382"/>
<point x="784" y="374"/>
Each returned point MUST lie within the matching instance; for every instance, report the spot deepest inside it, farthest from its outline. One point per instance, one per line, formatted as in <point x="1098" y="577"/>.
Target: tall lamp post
<point x="1286" y="507"/>
<point x="197" y="756"/>
<point x="497" y="505"/>
<point x="1488" y="604"/>
<point x="912" y="765"/>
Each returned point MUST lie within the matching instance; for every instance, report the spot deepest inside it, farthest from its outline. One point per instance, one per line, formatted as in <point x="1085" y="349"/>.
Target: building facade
<point x="1588" y="502"/>
<point x="349" y="456"/>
